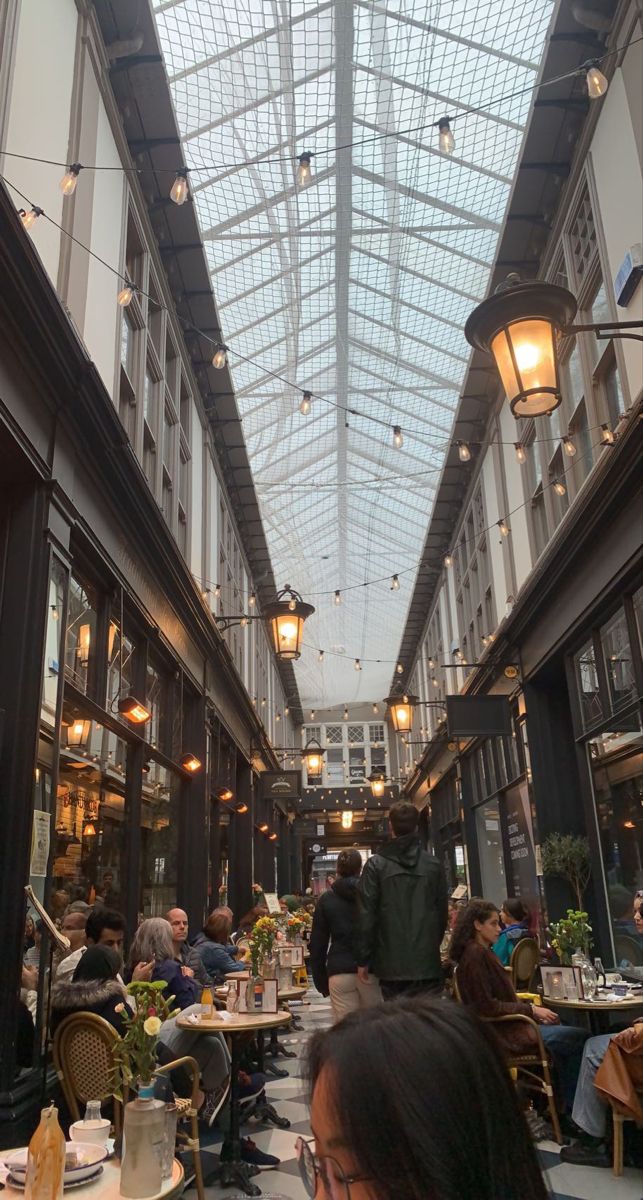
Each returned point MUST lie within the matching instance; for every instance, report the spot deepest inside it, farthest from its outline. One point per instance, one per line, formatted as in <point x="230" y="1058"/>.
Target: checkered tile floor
<point x="565" y="1182"/>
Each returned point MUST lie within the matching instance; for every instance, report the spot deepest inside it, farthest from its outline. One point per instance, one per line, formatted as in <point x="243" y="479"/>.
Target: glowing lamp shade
<point x="519" y="325"/>
<point x="191" y="763"/>
<point x="78" y="732"/>
<point x="133" y="710"/>
<point x="347" y="820"/>
<point x="224" y="794"/>
<point x="84" y="644"/>
<point x="89" y="830"/>
<point x="313" y="757"/>
<point x="400" y="710"/>
<point x="242" y="808"/>
<point x="378" y="784"/>
<point x="285" y="618"/>
<point x="272" y="837"/>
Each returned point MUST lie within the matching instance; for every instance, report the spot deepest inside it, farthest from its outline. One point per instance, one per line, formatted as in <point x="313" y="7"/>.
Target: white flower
<point x="152" y="1026"/>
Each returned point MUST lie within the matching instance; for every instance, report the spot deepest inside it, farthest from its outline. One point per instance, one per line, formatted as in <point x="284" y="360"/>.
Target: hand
<point x="544" y="1016"/>
<point x="29" y="978"/>
<point x="142" y="972"/>
<point x="362" y="974"/>
<point x="188" y="972"/>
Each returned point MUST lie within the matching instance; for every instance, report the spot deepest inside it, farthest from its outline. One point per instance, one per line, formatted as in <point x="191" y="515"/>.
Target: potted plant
<point x="567" y="855"/>
<point x="570" y="934"/>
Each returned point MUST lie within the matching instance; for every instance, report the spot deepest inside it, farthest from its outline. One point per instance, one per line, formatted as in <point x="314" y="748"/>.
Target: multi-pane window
<point x="352" y="751"/>
<point x="474" y="594"/>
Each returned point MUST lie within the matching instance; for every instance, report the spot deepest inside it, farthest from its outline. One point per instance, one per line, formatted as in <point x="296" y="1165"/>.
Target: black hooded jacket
<point x="334" y="922"/>
<point x="101" y="996"/>
<point x="403" y="912"/>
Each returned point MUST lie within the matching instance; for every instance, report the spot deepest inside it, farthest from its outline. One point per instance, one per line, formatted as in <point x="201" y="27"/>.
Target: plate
<point x="89" y="1155"/>
<point x="20" y="1184"/>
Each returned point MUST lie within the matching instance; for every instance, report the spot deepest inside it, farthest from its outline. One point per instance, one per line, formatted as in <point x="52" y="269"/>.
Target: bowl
<point x="94" y="1132"/>
<point x="87" y="1159"/>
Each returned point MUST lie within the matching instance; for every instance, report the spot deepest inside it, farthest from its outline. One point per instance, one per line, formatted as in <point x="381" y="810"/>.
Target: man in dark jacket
<point x="404" y="911"/>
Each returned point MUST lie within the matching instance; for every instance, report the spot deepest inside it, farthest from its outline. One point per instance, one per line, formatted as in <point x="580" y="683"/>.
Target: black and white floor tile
<point x="565" y="1182"/>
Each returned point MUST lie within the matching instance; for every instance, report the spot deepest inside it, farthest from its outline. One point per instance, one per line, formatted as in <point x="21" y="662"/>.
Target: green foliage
<point x="135" y="1053"/>
<point x="572" y="933"/>
<point x="568" y="856"/>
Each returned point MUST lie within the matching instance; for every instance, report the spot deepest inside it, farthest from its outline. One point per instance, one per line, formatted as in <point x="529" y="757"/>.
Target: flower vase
<point x="269" y="967"/>
<point x="254" y="992"/>
<point x="143" y="1135"/>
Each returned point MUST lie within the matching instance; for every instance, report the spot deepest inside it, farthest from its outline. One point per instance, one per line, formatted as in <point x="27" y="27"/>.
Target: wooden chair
<point x="83" y="1058"/>
<point x="617" y="1123"/>
<point x="525" y="1067"/>
<point x="524" y="959"/>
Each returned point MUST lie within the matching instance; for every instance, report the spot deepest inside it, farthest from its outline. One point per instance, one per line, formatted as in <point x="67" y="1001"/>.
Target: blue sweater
<point x="215" y="958"/>
<point x="508" y="941"/>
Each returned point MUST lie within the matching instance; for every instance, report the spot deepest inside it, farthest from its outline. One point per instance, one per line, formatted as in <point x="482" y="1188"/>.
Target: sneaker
<point x="250" y="1086"/>
<point x="250" y="1153"/>
<point x="213" y="1103"/>
<point x="581" y="1154"/>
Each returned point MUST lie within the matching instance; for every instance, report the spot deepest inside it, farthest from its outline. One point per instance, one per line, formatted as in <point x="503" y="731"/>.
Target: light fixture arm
<point x="612" y="329"/>
<point x="225" y="623"/>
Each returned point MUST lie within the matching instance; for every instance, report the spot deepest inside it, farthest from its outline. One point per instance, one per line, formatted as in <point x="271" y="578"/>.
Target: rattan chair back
<point x="83" y="1057"/>
<point x="523" y="963"/>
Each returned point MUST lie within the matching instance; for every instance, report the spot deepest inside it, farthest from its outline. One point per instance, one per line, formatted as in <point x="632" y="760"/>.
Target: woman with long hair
<point x="332" y="951"/>
<point x="485" y="985"/>
<point x="94" y="987"/>
<point x="212" y="950"/>
<point x="514" y="916"/>
<point x="408" y="1101"/>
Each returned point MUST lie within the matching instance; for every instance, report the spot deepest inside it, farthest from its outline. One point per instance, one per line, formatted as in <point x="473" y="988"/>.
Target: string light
<point x="126" y="294"/>
<point x="286" y="711"/>
<point x="312" y="714"/>
<point x="263" y="701"/>
<point x="29" y="218"/>
<point x="464" y="453"/>
<point x="217" y="591"/>
<point x="503" y="527"/>
<point x="277" y="716"/>
<point x="607" y="437"/>
<point x="320" y="656"/>
<point x="399" y="669"/>
<point x="597" y="84"/>
<point x="337" y="598"/>
<point x="430" y="663"/>
<point x="345" y="714"/>
<point x="70" y="179"/>
<point x="446" y="138"/>
<point x="434" y="681"/>
<point x="220" y="357"/>
<point x="179" y="189"/>
<point x="304" y="170"/>
<point x="243" y="622"/>
<point x="292" y="605"/>
<point x="395" y="584"/>
<point x="358" y="665"/>
<point x="375" y="710"/>
<point x="559" y="487"/>
<point x="520" y="452"/>
<point x="252" y="600"/>
<point x="398" y="440"/>
<point x="569" y="447"/>
<point x="305" y="403"/>
<point x="448" y="560"/>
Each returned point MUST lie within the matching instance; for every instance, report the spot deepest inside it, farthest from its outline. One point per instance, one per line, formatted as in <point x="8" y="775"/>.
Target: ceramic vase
<point x="143" y="1134"/>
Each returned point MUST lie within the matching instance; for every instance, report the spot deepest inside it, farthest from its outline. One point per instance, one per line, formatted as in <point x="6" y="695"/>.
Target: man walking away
<point x="404" y="911"/>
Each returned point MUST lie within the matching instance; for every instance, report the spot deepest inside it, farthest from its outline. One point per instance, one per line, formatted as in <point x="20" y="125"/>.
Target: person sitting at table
<point x="212" y="952"/>
<point x="515" y="926"/>
<point x="410" y="1101"/>
<point x="332" y="954"/>
<point x="485" y="985"/>
<point x="251" y="917"/>
<point x="94" y="987"/>
<point x="598" y="1080"/>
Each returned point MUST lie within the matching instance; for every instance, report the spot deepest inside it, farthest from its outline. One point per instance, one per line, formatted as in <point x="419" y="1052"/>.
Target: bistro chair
<point x="524" y="959"/>
<point x="525" y="1067"/>
<point x="83" y="1058"/>
<point x="617" y="1123"/>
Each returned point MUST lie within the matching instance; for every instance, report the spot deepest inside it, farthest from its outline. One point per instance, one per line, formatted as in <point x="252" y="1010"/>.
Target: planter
<point x="143" y="1135"/>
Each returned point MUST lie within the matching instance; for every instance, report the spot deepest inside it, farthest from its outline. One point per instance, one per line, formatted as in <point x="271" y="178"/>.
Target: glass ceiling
<point x="358" y="286"/>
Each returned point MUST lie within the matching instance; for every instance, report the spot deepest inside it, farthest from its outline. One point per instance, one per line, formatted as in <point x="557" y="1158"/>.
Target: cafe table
<point x="592" y="1011"/>
<point x="107" y="1185"/>
<point x="275" y="1047"/>
<point x="236" y="1027"/>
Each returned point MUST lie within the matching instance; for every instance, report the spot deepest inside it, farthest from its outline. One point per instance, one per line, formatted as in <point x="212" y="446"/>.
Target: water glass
<point x="169" y="1141"/>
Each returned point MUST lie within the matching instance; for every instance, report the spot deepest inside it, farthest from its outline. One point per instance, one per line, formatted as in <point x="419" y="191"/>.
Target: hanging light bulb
<point x="70" y="179"/>
<point x="430" y="662"/>
<point x="179" y="189"/>
<point x="399" y="669"/>
<point x="337" y="598"/>
<point x="375" y="710"/>
<point x="569" y="447"/>
<point x="446" y="138"/>
<point x="305" y="403"/>
<point x="320" y="656"/>
<point x="395" y="584"/>
<point x="304" y="170"/>
<point x="277" y="716"/>
<point x="217" y="591"/>
<point x="243" y="622"/>
<point x="520" y="453"/>
<point x="252" y="600"/>
<point x="286" y="711"/>
<point x="448" y="560"/>
<point x="559" y="487"/>
<point x="503" y="527"/>
<point x="126" y="293"/>
<point x="464" y="453"/>
<point x="358" y="665"/>
<point x="345" y="714"/>
<point x="607" y="437"/>
<point x="398" y="440"/>
<point x="292" y="605"/>
<point x="29" y="218"/>
<point x="434" y="681"/>
<point x="312" y="714"/>
<point x="597" y="84"/>
<point x="220" y="357"/>
<point x="263" y="701"/>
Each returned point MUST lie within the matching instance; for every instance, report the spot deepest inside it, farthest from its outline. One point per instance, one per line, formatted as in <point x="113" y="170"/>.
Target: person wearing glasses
<point x="427" y="1129"/>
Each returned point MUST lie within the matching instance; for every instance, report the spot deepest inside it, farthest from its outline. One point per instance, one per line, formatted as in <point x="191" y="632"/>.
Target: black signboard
<point x="478" y="716"/>
<point x="521" y="865"/>
<point x="280" y="785"/>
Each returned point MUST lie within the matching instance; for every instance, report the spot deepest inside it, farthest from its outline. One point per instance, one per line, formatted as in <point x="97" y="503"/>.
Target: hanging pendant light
<point x="400" y="709"/>
<point x="179" y="189"/>
<point x="377" y="780"/>
<point x="313" y="757"/>
<point x="597" y="84"/>
<point x="70" y="179"/>
<point x="220" y="357"/>
<point x="305" y="403"/>
<point x="445" y="137"/>
<point x="285" y="618"/>
<point x="304" y="174"/>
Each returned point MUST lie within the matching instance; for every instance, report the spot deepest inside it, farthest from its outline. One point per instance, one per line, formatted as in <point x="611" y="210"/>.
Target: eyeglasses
<point x="312" y="1167"/>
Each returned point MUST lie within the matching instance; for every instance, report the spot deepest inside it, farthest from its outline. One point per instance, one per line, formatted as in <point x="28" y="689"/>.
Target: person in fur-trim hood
<point x="93" y="988"/>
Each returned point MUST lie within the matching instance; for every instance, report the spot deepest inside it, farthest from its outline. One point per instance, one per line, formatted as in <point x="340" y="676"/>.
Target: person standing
<point x="404" y="910"/>
<point x="332" y="942"/>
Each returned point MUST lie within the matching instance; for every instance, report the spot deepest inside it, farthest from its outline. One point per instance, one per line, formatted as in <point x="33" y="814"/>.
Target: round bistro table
<point x="593" y="1010"/>
<point x="108" y="1185"/>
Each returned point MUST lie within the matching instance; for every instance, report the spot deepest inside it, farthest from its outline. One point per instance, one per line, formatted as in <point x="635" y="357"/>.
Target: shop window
<point x="610" y="386"/>
<point x="120" y="665"/>
<point x="53" y="642"/>
<point x="587" y="678"/>
<point x="356" y="765"/>
<point x="355" y="734"/>
<point x="582" y="240"/>
<point x="492" y="867"/>
<point x="560" y="503"/>
<point x="159" y="837"/>
<point x="376" y="734"/>
<point x="81" y="632"/>
<point x="163" y="706"/>
<point x="616" y="759"/>
<point x="618" y="661"/>
<point x="581" y="437"/>
<point x="334" y="736"/>
<point x="335" y="768"/>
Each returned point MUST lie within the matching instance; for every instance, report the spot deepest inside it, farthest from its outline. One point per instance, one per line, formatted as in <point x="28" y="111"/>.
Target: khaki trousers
<point x="348" y="994"/>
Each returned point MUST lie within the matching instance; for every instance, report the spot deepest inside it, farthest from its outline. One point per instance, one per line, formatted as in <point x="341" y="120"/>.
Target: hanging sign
<point x="275" y="785"/>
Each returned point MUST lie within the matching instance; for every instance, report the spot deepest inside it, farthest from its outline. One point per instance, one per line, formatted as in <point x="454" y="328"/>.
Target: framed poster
<point x="562" y="983"/>
<point x="264" y="998"/>
<point x="272" y="903"/>
<point x="291" y="956"/>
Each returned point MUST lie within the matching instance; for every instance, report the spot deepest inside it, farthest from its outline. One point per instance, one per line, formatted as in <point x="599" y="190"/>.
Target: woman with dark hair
<point x="211" y="949"/>
<point x="485" y="985"/>
<point x="515" y="926"/>
<point x="93" y="988"/>
<point x="399" y="1133"/>
<point x="332" y="955"/>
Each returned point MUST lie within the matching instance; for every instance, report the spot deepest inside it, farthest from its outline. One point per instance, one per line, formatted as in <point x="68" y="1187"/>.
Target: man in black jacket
<point x="403" y="912"/>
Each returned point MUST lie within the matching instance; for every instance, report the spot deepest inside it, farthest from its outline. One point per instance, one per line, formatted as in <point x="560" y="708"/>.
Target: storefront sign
<point x="478" y="716"/>
<point x="280" y="784"/>
<point x="522" y="851"/>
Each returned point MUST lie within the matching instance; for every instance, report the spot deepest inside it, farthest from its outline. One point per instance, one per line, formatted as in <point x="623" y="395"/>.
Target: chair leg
<point x="617" y="1161"/>
<point x="551" y="1102"/>
<point x="195" y="1147"/>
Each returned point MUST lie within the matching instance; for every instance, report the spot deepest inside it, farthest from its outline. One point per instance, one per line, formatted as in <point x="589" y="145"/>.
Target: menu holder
<point x="562" y="983"/>
<point x="63" y="943"/>
<point x="263" y="1001"/>
<point x="290" y="956"/>
<point x="272" y="903"/>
